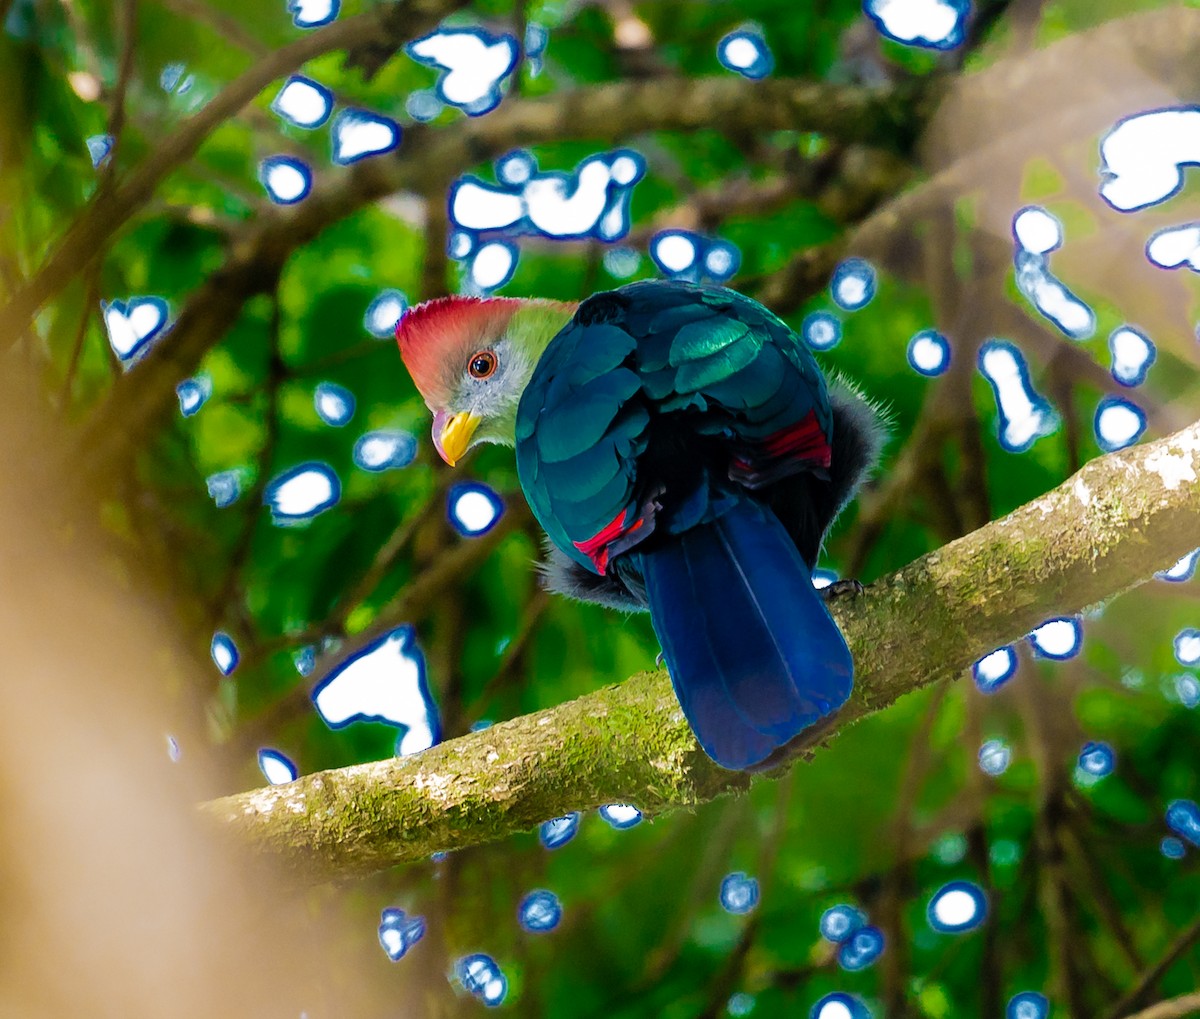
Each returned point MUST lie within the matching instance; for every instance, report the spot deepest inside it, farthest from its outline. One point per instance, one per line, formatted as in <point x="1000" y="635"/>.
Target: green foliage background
<point x="894" y="809"/>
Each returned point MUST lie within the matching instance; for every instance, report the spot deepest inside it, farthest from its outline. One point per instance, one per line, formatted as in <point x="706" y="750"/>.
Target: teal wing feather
<point x="627" y="363"/>
<point x="580" y="426"/>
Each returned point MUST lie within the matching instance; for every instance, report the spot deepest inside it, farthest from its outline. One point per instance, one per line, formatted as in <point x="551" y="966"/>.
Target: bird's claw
<point x="659" y="660"/>
<point x="841" y="588"/>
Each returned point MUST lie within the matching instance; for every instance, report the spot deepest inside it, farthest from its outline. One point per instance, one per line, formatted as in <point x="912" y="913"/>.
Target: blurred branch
<point x="1136" y="994"/>
<point x="987" y="13"/>
<point x="845" y="185"/>
<point x="410" y="605"/>
<point x="1066" y="978"/>
<point x="733" y="972"/>
<point x="1102" y="532"/>
<point x="127" y="33"/>
<point x="863" y="178"/>
<point x="391" y="551"/>
<point x="424" y="591"/>
<point x="520" y="18"/>
<point x="948" y="417"/>
<point x="386" y="559"/>
<point x="805" y="274"/>
<point x="1174" y="1008"/>
<point x="602" y="113"/>
<point x="711" y="860"/>
<point x="109" y="209"/>
<point x="727" y="978"/>
<point x="991" y="966"/>
<point x="91" y="300"/>
<point x="709" y="206"/>
<point x="514" y="656"/>
<point x="435" y="263"/>
<point x="895" y="966"/>
<point x="239" y="555"/>
<point x="229" y="28"/>
<point x="1095" y="885"/>
<point x="1072" y="362"/>
<point x="1076" y="977"/>
<point x="85" y="49"/>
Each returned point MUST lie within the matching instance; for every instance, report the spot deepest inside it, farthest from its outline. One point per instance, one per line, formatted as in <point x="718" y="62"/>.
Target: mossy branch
<point x="1102" y="532"/>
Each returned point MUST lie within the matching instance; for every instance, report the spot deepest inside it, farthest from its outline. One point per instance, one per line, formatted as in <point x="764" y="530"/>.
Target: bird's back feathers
<point x="807" y="506"/>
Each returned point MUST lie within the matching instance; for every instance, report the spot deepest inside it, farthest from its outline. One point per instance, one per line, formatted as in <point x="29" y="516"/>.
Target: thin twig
<point x="91" y="300"/>
<point x="1065" y="978"/>
<point x="895" y="885"/>
<point x="514" y="656"/>
<point x="127" y="33"/>
<point x="230" y="29"/>
<point x="732" y="972"/>
<point x="397" y="544"/>
<point x="1094" y="885"/>
<point x="717" y="845"/>
<point x="240" y="554"/>
<point x="1146" y="981"/>
<point x="409" y="606"/>
<point x="990" y="967"/>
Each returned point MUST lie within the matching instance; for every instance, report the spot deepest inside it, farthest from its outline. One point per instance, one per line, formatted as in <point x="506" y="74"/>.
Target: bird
<point x="683" y="453"/>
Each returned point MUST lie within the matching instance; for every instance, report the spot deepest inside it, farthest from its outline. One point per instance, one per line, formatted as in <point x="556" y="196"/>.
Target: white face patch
<point x="494" y="400"/>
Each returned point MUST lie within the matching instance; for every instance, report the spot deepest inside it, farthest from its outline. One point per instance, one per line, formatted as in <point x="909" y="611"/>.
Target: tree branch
<point x="603" y="113"/>
<point x="1102" y="532"/>
<point x="91" y="230"/>
<point x="1146" y="980"/>
<point x="410" y="605"/>
<point x="229" y="28"/>
<point x="1173" y="1008"/>
<point x="127" y="33"/>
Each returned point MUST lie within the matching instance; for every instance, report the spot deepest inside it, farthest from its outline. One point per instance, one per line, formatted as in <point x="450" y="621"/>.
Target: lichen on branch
<point x="1100" y="533"/>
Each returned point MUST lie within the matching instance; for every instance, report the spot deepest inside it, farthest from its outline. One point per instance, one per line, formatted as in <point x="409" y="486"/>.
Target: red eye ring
<point x="482" y="365"/>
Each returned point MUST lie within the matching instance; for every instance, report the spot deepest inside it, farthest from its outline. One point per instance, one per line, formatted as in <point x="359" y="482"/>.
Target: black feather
<point x="560" y="574"/>
<point x="860" y="431"/>
<point x="806" y="504"/>
<point x="809" y="505"/>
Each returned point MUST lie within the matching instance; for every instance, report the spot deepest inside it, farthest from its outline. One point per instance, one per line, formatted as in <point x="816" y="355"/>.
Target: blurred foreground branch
<point x="1100" y="533"/>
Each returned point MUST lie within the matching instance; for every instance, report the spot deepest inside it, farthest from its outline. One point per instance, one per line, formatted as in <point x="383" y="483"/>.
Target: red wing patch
<point x="801" y="443"/>
<point x="596" y="547"/>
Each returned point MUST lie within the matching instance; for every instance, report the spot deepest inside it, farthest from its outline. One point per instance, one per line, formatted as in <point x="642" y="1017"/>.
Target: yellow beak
<point x="452" y="435"/>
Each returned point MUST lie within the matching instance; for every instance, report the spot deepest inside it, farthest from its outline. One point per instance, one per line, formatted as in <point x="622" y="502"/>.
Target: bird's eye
<point x="482" y="364"/>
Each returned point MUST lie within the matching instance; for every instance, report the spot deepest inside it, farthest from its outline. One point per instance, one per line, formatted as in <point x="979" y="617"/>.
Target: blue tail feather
<point x="753" y="653"/>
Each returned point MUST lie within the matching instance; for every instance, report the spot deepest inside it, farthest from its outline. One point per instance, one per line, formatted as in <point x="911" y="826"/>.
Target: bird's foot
<point x="840" y="589"/>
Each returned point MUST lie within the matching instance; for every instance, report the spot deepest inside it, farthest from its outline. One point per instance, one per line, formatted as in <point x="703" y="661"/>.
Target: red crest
<point x="436" y="337"/>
